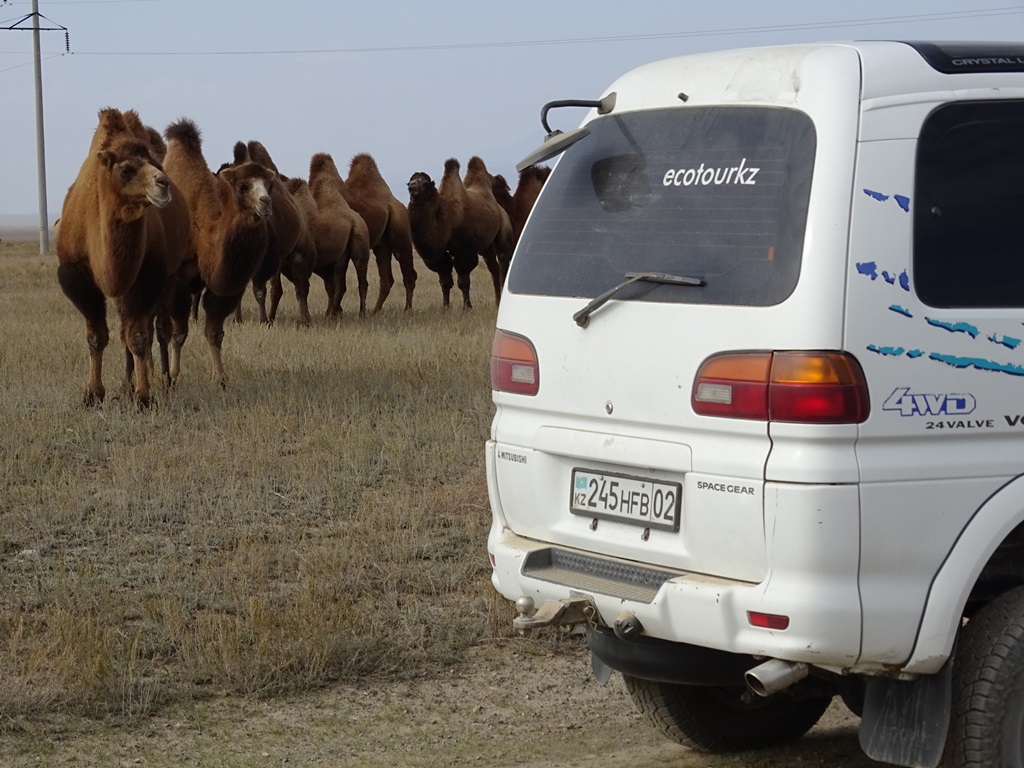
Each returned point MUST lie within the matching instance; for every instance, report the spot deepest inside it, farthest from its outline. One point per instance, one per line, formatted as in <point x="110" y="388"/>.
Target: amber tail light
<point x="514" y="366"/>
<point x="803" y="387"/>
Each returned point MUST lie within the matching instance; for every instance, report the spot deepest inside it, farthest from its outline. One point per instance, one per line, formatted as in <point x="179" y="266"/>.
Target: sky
<point x="412" y="83"/>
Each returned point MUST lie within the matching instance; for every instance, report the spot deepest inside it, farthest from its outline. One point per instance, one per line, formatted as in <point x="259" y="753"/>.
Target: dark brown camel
<point x="457" y="223"/>
<point x="229" y="226"/>
<point x="341" y="234"/>
<point x="387" y="222"/>
<point x="519" y="204"/>
<point x="284" y="229"/>
<point x="118" y="239"/>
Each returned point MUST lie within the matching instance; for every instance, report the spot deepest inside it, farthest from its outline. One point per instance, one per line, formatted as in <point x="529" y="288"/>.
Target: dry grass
<point x="323" y="518"/>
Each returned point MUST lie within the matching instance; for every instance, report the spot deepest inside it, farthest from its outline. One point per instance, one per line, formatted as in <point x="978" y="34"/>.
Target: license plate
<point x="637" y="500"/>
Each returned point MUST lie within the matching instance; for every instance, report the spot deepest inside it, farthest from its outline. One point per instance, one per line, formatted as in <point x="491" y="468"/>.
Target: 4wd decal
<point x="909" y="403"/>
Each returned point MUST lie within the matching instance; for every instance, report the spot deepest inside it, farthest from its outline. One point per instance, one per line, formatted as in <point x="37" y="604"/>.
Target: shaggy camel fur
<point x="387" y="221"/>
<point x="341" y="234"/>
<point x="229" y="226"/>
<point x="122" y="231"/>
<point x="456" y="224"/>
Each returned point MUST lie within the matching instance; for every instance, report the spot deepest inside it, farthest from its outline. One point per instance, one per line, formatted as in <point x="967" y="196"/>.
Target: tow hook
<point x="553" y="613"/>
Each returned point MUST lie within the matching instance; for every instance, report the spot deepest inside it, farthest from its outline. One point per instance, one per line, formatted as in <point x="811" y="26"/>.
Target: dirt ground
<point x="513" y="703"/>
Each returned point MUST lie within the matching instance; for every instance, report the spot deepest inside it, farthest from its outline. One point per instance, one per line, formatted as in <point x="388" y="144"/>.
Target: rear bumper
<point x="695" y="609"/>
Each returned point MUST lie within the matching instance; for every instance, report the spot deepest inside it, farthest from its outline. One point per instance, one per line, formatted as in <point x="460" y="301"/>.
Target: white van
<point x="759" y="388"/>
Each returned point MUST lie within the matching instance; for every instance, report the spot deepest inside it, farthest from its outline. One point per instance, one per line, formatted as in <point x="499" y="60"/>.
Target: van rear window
<point x="969" y="195"/>
<point x="714" y="193"/>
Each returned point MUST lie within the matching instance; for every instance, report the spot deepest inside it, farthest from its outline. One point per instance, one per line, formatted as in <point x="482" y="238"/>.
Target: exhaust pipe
<point x="775" y="675"/>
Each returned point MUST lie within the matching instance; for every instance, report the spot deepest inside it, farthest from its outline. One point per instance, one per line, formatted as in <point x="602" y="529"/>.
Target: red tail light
<point x="514" y="366"/>
<point x="804" y="387"/>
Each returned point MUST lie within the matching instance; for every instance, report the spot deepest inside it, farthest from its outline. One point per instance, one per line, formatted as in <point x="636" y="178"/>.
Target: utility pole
<point x="44" y="224"/>
<point x="36" y="28"/>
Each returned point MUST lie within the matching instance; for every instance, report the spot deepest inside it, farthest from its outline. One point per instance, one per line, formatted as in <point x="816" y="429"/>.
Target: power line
<point x="835" y="24"/>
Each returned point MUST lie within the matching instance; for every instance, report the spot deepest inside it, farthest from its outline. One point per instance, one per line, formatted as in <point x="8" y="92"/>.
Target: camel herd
<point x="149" y="225"/>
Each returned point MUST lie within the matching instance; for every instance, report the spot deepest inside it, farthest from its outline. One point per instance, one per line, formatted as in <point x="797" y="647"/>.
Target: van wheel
<point x="720" y="719"/>
<point x="987" y="722"/>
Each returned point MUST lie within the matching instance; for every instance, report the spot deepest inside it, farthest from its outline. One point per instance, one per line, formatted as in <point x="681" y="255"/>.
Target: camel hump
<point x="186" y="133"/>
<point x="320" y="162"/>
<point x="476" y="165"/>
<point x="259" y="154"/>
<point x="363" y="162"/>
<point x="241" y="153"/>
<point x="451" y="164"/>
<point x="295" y="184"/>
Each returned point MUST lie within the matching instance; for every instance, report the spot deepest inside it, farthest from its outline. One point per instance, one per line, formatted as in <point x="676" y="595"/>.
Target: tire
<point x="716" y="719"/>
<point x="986" y="727"/>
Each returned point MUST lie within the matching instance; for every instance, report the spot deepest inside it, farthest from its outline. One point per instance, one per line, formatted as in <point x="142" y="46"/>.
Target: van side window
<point x="969" y="201"/>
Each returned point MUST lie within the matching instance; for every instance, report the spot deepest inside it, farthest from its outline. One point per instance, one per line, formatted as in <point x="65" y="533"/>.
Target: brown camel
<point x="120" y="235"/>
<point x="519" y="204"/>
<point x="229" y="226"/>
<point x="456" y="224"/>
<point x="387" y="221"/>
<point x="284" y="228"/>
<point x="300" y="270"/>
<point x="340" y="233"/>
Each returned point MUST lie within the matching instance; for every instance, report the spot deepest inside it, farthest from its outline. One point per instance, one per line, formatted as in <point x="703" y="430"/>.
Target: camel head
<point x="421" y="186"/>
<point x="250" y="185"/>
<point x="500" y="185"/>
<point x="133" y="173"/>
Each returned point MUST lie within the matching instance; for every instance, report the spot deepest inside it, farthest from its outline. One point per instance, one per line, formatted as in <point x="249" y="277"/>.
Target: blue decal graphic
<point x="887" y="351"/>
<point x="970" y="330"/>
<point x="900" y="310"/>
<point x="915" y="353"/>
<point x="901" y="200"/>
<point x="869" y="269"/>
<point x="920" y="404"/>
<point x="581" y="482"/>
<point x="978" y="362"/>
<point x="1006" y="341"/>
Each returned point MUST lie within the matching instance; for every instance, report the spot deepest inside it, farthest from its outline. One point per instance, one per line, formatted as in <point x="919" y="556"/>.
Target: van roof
<point x="779" y="74"/>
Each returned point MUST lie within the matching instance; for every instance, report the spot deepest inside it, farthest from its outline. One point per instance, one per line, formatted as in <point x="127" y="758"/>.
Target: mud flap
<point x="602" y="672"/>
<point x="905" y="722"/>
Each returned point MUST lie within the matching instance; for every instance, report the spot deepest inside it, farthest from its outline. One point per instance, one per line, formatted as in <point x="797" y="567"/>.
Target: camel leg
<point x="259" y="292"/>
<point x="387" y="278"/>
<point x="463" y="279"/>
<point x="299" y="270"/>
<point x="490" y="258"/>
<point x="276" y="292"/>
<point x="172" y="329"/>
<point x="136" y="334"/>
<point x="402" y="249"/>
<point x="217" y="310"/>
<point x="77" y="283"/>
<point x="465" y="261"/>
<point x="138" y="308"/>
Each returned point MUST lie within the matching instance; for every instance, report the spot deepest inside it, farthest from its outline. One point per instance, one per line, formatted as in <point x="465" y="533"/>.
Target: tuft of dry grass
<point x="322" y="518"/>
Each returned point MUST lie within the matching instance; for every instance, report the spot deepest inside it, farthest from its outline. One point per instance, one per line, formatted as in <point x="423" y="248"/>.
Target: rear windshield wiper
<point x="583" y="316"/>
